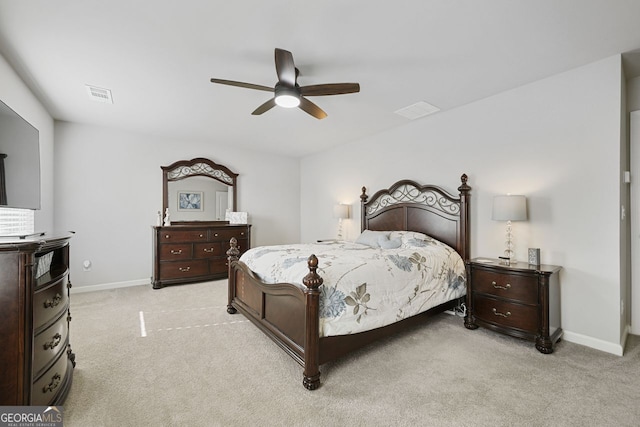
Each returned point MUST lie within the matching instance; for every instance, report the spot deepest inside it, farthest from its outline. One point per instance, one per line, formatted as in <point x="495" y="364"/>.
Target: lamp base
<point x="509" y="255"/>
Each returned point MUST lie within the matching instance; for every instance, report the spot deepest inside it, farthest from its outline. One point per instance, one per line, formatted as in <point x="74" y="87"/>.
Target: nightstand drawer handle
<point x="497" y="313"/>
<point x="209" y="250"/>
<point x="174" y="252"/>
<point x="184" y="269"/>
<point x="495" y="285"/>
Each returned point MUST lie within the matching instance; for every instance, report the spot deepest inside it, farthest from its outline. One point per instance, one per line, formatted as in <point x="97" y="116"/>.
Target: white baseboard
<point x="107" y="286"/>
<point x="606" y="346"/>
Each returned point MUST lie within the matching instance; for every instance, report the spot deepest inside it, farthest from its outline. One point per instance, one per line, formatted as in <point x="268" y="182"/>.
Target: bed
<point x="293" y="311"/>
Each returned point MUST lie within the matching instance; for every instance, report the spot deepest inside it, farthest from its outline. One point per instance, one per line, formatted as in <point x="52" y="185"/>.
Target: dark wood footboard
<point x="290" y="316"/>
<point x="286" y="313"/>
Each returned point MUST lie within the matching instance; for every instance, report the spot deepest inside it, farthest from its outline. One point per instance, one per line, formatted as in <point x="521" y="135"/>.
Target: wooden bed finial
<point x="464" y="186"/>
<point x="363" y="196"/>
<point x="312" y="280"/>
<point x="233" y="252"/>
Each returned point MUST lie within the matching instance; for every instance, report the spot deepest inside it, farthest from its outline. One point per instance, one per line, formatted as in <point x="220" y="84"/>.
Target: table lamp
<point x="509" y="208"/>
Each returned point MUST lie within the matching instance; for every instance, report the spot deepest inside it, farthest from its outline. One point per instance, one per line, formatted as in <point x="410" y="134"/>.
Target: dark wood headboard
<point x="428" y="209"/>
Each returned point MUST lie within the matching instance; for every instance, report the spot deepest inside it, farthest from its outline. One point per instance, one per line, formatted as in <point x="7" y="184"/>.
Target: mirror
<point x="198" y="190"/>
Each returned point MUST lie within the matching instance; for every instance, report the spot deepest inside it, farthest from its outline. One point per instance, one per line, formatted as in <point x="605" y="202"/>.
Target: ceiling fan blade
<point x="330" y="89"/>
<point x="311" y="108"/>
<point x="242" y="84"/>
<point x="265" y="107"/>
<point x="285" y="68"/>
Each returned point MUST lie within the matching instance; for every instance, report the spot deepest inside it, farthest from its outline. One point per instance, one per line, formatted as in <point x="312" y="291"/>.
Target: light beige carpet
<point x="199" y="366"/>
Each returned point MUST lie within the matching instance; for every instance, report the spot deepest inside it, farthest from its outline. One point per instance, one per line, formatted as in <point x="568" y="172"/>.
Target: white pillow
<point x="386" y="243"/>
<point x="370" y="238"/>
<point x="406" y="235"/>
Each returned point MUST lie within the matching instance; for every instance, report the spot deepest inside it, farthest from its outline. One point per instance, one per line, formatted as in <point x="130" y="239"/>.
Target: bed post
<point x="363" y="211"/>
<point x="232" y="254"/>
<point x="464" y="190"/>
<point x="312" y="281"/>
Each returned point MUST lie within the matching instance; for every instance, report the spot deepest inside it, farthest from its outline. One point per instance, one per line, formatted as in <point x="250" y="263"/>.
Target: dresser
<point x="36" y="360"/>
<point x="519" y="299"/>
<point x="194" y="253"/>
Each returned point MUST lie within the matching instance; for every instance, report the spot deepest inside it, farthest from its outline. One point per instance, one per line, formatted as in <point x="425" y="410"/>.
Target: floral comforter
<point x="365" y="287"/>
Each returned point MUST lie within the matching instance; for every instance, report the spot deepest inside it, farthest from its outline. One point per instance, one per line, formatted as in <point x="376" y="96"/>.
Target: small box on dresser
<point x="516" y="299"/>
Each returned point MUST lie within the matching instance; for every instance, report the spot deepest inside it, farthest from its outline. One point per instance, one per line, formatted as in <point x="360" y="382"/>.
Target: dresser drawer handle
<point x="53" y="343"/>
<point x="209" y="250"/>
<point x="184" y="269"/>
<point x="215" y="235"/>
<point x="495" y="285"/>
<point x="166" y="236"/>
<point x="174" y="252"/>
<point x="52" y="303"/>
<point x="497" y="313"/>
<point x="242" y="233"/>
<point x="201" y="236"/>
<point x="55" y="382"/>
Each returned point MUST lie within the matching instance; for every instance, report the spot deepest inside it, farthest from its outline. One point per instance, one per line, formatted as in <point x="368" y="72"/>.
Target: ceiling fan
<point x="287" y="92"/>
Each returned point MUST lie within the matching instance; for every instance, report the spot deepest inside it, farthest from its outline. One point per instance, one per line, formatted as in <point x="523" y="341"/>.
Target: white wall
<point x="634" y="213"/>
<point x="556" y="140"/>
<point x="19" y="98"/>
<point x="109" y="189"/>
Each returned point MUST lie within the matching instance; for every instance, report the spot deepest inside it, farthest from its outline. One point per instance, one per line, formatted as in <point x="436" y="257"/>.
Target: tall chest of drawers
<point x="519" y="299"/>
<point x="194" y="253"/>
<point x="36" y="357"/>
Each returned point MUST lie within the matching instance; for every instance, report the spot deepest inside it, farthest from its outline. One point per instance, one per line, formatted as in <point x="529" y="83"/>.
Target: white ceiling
<point x="157" y="56"/>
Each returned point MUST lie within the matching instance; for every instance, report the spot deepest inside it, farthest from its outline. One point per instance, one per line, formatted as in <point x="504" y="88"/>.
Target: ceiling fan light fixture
<point x="287" y="97"/>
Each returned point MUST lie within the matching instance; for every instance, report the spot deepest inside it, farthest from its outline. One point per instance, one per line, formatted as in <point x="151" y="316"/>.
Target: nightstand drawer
<point x="512" y="286"/>
<point x="503" y="313"/>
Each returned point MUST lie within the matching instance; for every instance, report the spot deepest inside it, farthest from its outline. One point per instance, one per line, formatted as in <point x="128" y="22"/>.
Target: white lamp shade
<point x="509" y="208"/>
<point x="341" y="211"/>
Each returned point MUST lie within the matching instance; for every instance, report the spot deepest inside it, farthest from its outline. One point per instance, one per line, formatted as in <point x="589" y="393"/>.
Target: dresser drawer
<point x="50" y="383"/>
<point x="49" y="343"/>
<point x="515" y="287"/>
<point x="49" y="302"/>
<point x="208" y="250"/>
<point x="182" y="269"/>
<point x="504" y="313"/>
<point x="219" y="266"/>
<point x="175" y="251"/>
<point x="227" y="234"/>
<point x="178" y="236"/>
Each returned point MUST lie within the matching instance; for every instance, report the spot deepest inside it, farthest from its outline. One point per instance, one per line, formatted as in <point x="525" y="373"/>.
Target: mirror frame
<point x="199" y="166"/>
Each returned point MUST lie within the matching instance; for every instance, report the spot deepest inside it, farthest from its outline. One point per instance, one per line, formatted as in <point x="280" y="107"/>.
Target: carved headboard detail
<point x="428" y="209"/>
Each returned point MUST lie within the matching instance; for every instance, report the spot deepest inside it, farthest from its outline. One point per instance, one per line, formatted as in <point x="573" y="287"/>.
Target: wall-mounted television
<point x="19" y="161"/>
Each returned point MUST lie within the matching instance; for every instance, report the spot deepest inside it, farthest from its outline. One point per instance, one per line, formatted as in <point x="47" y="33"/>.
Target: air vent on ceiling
<point x="417" y="110"/>
<point x="99" y="94"/>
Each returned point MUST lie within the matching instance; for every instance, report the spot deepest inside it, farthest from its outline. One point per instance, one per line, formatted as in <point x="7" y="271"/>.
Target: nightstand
<point x="518" y="299"/>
